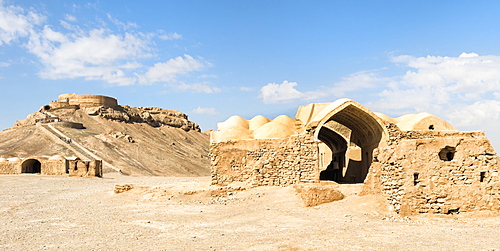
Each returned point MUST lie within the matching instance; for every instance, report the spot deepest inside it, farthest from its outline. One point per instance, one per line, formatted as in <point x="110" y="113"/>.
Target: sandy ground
<point x="50" y="212"/>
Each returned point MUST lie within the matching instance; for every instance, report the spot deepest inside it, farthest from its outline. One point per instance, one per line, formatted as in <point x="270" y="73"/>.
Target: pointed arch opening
<point x="351" y="133"/>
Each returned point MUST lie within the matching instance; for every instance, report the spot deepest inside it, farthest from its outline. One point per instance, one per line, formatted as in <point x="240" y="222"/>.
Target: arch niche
<point x="31" y="166"/>
<point x="351" y="133"/>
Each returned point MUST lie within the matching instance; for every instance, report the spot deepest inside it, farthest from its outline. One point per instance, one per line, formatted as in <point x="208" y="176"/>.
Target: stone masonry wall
<point x="436" y="172"/>
<point x="265" y="162"/>
<point x="10" y="167"/>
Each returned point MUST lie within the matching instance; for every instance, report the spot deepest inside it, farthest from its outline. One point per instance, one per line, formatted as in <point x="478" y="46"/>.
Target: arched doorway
<point x="31" y="166"/>
<point x="351" y="132"/>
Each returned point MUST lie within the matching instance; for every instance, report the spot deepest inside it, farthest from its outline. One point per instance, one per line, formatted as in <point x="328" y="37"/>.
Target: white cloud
<point x="121" y="24"/>
<point x="15" y="22"/>
<point x="280" y="93"/>
<point x="205" y="110"/>
<point x="449" y="87"/>
<point x="4" y="64"/>
<point x="98" y="53"/>
<point x="479" y="113"/>
<point x="70" y="18"/>
<point x="352" y="83"/>
<point x="246" y="89"/>
<point x="169" y="70"/>
<point x="168" y="36"/>
<point x="198" y="87"/>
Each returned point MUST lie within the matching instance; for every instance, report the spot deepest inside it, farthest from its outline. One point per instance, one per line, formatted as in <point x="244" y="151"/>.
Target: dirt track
<point x="48" y="212"/>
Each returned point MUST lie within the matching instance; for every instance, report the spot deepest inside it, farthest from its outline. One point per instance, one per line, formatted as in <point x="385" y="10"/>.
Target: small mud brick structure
<point x="55" y="165"/>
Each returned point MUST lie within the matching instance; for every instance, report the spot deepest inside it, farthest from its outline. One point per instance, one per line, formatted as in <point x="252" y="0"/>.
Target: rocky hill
<point x="134" y="140"/>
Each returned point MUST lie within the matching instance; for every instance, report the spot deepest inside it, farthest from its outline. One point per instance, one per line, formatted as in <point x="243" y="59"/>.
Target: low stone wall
<point x="85" y="168"/>
<point x="9" y="167"/>
<point x="436" y="172"/>
<point x="265" y="162"/>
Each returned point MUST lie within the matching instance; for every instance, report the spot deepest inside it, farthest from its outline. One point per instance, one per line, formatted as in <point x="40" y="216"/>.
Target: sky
<point x="215" y="59"/>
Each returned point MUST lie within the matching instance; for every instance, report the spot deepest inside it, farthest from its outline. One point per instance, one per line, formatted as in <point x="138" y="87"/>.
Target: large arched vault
<point x="351" y="132"/>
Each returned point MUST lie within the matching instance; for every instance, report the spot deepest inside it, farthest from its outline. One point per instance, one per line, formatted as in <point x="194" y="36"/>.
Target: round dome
<point x="423" y="121"/>
<point x="257" y="122"/>
<point x="233" y="121"/>
<point x="15" y="159"/>
<point x="232" y="133"/>
<point x="385" y="117"/>
<point x="57" y="157"/>
<point x="273" y="130"/>
<point x="285" y="120"/>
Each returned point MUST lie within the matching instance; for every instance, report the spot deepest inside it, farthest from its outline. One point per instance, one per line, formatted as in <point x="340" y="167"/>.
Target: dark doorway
<point x="31" y="166"/>
<point x="351" y="134"/>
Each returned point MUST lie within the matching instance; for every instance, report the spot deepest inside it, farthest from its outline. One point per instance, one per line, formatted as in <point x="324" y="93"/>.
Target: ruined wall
<point x="88" y="100"/>
<point x="10" y="167"/>
<point x="436" y="172"/>
<point x="54" y="166"/>
<point x="265" y="162"/>
<point x="85" y="168"/>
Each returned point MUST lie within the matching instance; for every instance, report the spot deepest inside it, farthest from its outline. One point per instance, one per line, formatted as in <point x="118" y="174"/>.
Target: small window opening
<point x="415" y="179"/>
<point x="447" y="153"/>
<point x="431" y="127"/>
<point x="482" y="175"/>
<point x="453" y="211"/>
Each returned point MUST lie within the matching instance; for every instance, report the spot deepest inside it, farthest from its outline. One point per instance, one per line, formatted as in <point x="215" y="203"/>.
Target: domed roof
<point x="257" y="122"/>
<point x="385" y="117"/>
<point x="15" y="159"/>
<point x="234" y="132"/>
<point x="423" y="121"/>
<point x="273" y="130"/>
<point x="233" y="121"/>
<point x="285" y="120"/>
<point x="57" y="157"/>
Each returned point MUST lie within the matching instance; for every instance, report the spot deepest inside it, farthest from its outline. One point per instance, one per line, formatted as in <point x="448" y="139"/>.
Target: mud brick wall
<point x="437" y="172"/>
<point x="10" y="167"/>
<point x="265" y="162"/>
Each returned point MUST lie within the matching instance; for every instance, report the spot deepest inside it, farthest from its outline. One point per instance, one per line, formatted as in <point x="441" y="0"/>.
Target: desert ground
<point x="162" y="213"/>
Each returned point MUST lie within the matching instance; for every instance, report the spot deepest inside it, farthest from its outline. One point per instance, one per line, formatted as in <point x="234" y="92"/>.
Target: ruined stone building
<point x="418" y="162"/>
<point x="55" y="165"/>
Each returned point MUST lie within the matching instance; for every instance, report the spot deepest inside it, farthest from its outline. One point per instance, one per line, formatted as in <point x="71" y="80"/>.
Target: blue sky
<point x="215" y="59"/>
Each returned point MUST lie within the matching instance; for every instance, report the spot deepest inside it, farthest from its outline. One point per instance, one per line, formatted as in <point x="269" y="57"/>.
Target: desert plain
<point x="175" y="213"/>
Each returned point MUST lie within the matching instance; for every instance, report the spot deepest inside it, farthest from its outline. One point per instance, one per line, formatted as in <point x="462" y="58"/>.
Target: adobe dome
<point x="285" y="120"/>
<point x="257" y="122"/>
<point x="423" y="121"/>
<point x="15" y="159"/>
<point x="233" y="121"/>
<point x="273" y="130"/>
<point x="385" y="117"/>
<point x="57" y="157"/>
<point x="235" y="132"/>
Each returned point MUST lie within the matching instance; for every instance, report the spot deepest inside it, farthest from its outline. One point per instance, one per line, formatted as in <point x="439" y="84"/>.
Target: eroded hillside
<point x="135" y="140"/>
